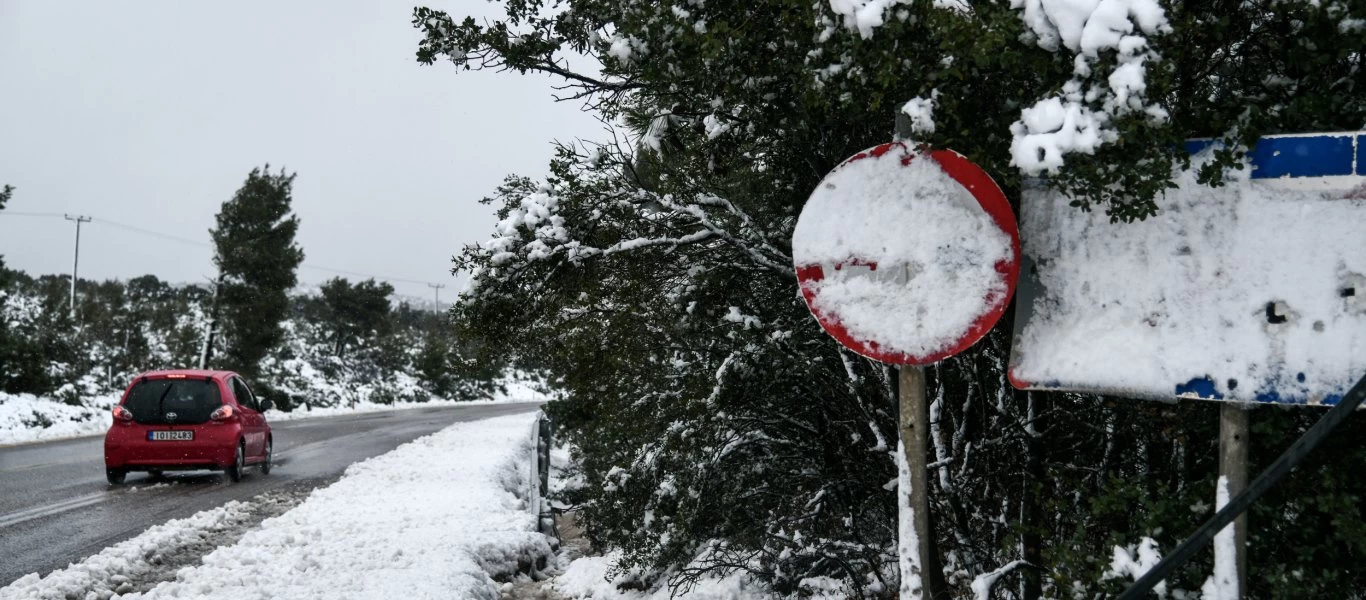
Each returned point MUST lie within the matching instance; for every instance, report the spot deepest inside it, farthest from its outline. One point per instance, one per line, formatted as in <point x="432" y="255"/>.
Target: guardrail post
<point x="543" y="443"/>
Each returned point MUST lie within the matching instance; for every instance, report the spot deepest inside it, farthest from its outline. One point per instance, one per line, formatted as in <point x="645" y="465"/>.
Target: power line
<point x="20" y="213"/>
<point x="167" y="236"/>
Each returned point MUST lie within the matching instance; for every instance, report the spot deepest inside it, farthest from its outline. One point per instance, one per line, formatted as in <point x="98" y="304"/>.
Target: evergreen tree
<point x="257" y="258"/>
<point x="13" y="349"/>
<point x="355" y="314"/>
<point x="6" y="193"/>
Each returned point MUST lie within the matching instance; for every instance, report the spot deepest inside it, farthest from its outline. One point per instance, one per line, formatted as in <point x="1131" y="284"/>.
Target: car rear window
<point x="173" y="401"/>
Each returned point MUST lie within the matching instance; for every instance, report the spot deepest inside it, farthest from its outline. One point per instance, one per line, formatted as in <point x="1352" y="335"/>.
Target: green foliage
<point x="718" y="428"/>
<point x="355" y="313"/>
<point x="144" y="324"/>
<point x="123" y="329"/>
<point x="6" y="193"/>
<point x="257" y="259"/>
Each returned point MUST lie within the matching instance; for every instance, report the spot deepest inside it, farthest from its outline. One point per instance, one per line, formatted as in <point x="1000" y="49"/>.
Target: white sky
<point x="151" y="114"/>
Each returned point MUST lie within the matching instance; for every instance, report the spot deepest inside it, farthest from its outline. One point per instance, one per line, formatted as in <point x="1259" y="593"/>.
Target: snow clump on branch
<point x="865" y="16"/>
<point x="1068" y="122"/>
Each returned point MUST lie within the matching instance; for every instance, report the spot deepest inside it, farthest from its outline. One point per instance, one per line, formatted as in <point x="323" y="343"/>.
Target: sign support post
<point x="914" y="431"/>
<point x="1239" y="504"/>
<point x="1233" y="440"/>
<point x="884" y="291"/>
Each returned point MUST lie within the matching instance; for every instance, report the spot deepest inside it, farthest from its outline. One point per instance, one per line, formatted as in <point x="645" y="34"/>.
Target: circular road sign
<point x="907" y="255"/>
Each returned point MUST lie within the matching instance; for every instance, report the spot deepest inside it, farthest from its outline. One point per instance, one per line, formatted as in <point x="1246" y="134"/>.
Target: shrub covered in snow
<point x="720" y="430"/>
<point x="397" y="355"/>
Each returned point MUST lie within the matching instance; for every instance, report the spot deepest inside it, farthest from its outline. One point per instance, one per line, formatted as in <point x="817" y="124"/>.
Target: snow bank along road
<point x="55" y="507"/>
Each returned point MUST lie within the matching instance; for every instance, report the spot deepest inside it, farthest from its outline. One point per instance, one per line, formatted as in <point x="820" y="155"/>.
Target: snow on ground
<point x="591" y="577"/>
<point x="26" y="418"/>
<point x="114" y="568"/>
<point x="516" y="391"/>
<point x="156" y="554"/>
<point x="439" y="517"/>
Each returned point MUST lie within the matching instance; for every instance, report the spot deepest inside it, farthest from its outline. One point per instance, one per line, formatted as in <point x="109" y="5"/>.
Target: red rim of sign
<point x="991" y="199"/>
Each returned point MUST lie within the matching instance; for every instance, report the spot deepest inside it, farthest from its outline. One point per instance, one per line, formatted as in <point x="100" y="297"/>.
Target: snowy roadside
<point x="595" y="578"/>
<point x="590" y="577"/>
<point x="578" y="574"/>
<point x="129" y="565"/>
<point x="442" y="516"/>
<point x="516" y="391"/>
<point x="25" y="418"/>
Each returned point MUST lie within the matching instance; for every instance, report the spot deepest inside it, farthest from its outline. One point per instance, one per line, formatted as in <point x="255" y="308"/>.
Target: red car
<point x="188" y="420"/>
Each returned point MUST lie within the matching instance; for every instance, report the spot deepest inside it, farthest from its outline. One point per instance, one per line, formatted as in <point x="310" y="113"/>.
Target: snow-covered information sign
<point x="1250" y="292"/>
<point x="906" y="255"/>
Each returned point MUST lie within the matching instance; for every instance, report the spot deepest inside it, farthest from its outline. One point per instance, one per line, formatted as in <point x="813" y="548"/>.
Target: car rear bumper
<point x="214" y="447"/>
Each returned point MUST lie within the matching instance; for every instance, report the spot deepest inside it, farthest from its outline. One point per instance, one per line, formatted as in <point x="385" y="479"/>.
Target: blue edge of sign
<point x="1320" y="155"/>
<point x="1286" y="156"/>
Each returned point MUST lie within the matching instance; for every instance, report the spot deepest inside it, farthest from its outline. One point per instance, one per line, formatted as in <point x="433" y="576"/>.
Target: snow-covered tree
<point x="718" y="427"/>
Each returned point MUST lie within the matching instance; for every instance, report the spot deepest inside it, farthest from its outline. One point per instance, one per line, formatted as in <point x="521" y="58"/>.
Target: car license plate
<point x="160" y="436"/>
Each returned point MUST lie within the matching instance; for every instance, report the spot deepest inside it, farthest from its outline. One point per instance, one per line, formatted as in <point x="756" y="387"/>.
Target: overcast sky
<point x="151" y="114"/>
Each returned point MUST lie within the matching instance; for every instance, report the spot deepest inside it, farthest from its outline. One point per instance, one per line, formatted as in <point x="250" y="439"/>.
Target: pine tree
<point x="11" y="346"/>
<point x="6" y="193"/>
<point x="355" y="314"/>
<point x="257" y="258"/>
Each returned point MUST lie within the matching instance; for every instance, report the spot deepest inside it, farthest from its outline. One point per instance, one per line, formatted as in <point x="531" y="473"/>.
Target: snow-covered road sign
<point x="1251" y="292"/>
<point x="907" y="256"/>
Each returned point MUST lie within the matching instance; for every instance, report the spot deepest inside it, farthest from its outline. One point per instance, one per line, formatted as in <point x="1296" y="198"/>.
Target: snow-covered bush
<point x="399" y="355"/>
<point x="719" y="429"/>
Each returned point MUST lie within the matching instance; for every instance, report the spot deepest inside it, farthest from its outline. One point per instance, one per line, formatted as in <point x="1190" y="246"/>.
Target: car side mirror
<point x="266" y="404"/>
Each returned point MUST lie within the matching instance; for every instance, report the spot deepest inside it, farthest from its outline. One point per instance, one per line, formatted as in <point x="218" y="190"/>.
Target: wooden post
<point x="914" y="432"/>
<point x="1233" y="440"/>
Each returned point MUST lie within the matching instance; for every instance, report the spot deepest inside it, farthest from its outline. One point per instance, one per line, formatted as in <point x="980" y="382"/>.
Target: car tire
<point x="239" y="464"/>
<point x="270" y="457"/>
<point x="115" y="476"/>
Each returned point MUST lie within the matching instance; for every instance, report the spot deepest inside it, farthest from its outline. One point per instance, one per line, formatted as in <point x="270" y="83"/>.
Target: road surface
<point x="56" y="508"/>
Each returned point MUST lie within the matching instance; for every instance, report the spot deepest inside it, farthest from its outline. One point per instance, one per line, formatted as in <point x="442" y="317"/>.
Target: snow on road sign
<point x="907" y="256"/>
<point x="1252" y="292"/>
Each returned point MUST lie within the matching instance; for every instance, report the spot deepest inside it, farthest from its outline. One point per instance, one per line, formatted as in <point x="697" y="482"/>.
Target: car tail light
<point x="222" y="414"/>
<point x="122" y="414"/>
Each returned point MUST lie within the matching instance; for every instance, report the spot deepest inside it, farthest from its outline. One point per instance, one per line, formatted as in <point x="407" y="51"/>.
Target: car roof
<point x="195" y="373"/>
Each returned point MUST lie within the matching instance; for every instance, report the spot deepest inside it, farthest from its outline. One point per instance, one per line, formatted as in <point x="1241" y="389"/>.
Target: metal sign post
<point x="1233" y="445"/>
<point x="914" y="431"/>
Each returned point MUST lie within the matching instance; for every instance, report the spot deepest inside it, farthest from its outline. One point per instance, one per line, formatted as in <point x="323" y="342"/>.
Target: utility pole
<point x="76" y="262"/>
<point x="437" y="288"/>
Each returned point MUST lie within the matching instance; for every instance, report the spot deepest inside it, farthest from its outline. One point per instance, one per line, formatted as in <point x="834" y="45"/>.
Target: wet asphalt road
<point x="56" y="508"/>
